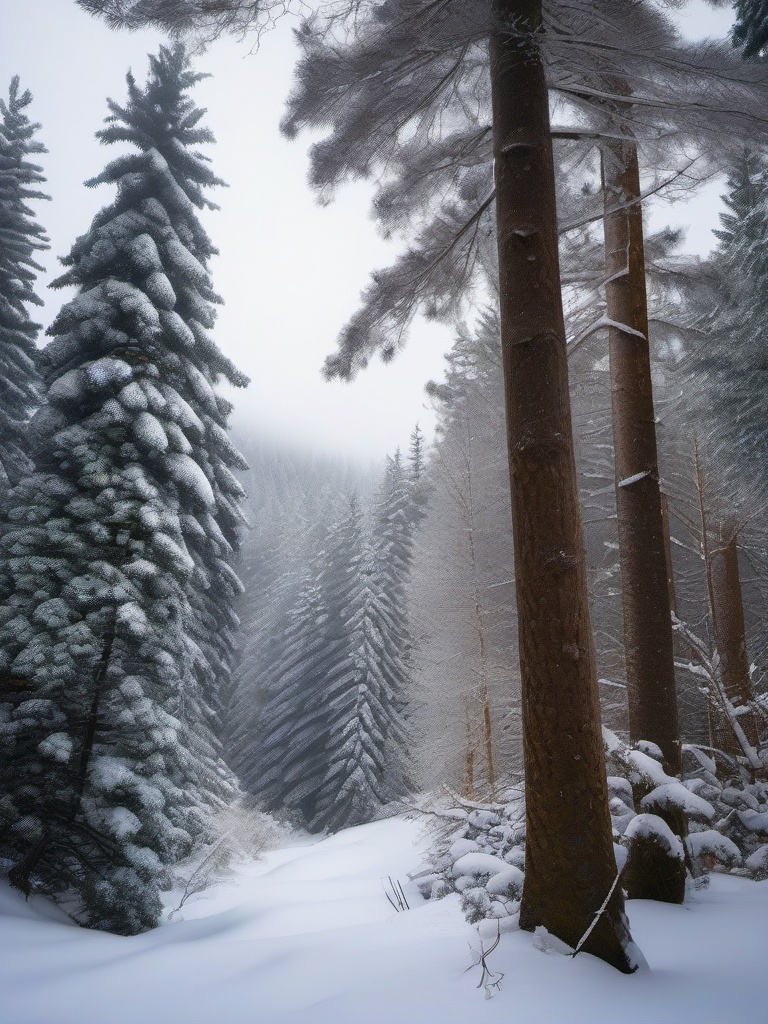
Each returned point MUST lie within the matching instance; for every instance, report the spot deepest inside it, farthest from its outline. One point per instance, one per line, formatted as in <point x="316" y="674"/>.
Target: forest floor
<point x="305" y="935"/>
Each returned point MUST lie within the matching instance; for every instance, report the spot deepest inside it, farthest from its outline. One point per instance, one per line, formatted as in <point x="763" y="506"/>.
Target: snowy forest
<point x="467" y="724"/>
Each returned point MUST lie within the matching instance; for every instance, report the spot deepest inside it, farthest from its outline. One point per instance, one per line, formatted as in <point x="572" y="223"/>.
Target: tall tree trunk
<point x="479" y="622"/>
<point x="469" y="755"/>
<point x="488" y="743"/>
<point x="730" y="633"/>
<point x="570" y="865"/>
<point x="645" y="589"/>
<point x="721" y="597"/>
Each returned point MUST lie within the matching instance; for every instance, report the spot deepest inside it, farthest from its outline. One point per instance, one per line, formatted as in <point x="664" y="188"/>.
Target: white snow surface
<point x="307" y="936"/>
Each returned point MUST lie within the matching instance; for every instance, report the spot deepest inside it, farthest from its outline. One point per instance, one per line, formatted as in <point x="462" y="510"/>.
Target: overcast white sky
<point x="290" y="271"/>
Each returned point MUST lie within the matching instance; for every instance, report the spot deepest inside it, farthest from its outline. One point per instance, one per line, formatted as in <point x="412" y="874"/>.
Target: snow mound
<point x="713" y="844"/>
<point x="675" y="796"/>
<point x="654" y="828"/>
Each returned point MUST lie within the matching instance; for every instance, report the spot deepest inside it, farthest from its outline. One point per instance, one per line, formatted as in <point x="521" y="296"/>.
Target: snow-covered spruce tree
<point x="329" y="744"/>
<point x="286" y="755"/>
<point x="368" y="693"/>
<point x="394" y="518"/>
<point x="20" y="239"/>
<point x="291" y="748"/>
<point x="750" y="29"/>
<point x="115" y="555"/>
<point x="293" y="497"/>
<point x="722" y="379"/>
<point x="725" y="370"/>
<point x="417" y="465"/>
<point x="416" y="454"/>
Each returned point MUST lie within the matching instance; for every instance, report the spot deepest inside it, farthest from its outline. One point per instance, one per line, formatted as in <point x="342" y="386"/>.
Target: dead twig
<point x="488" y="979"/>
<point x="397" y="899"/>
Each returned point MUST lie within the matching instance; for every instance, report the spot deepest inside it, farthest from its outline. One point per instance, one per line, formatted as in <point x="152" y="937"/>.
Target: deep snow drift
<point x="307" y="936"/>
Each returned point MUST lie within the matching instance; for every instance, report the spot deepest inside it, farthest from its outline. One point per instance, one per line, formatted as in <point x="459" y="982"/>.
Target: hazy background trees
<point x="21" y="238"/>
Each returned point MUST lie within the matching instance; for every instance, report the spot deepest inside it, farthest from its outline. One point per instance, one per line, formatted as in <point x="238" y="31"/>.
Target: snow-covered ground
<point x="307" y="936"/>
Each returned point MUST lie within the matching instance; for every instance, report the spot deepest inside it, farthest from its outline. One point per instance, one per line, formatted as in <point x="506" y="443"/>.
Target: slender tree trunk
<point x="469" y="756"/>
<point x="730" y="633"/>
<point x="469" y="788"/>
<point x="570" y="866"/>
<point x="484" y="692"/>
<point x="727" y="731"/>
<point x="488" y="743"/>
<point x="671" y="590"/>
<point x="720" y="734"/>
<point x="644" y="582"/>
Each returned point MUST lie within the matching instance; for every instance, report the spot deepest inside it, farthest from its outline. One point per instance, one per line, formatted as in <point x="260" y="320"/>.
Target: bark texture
<point x="671" y="590"/>
<point x="649" y="875"/>
<point x="570" y="865"/>
<point x="645" y="586"/>
<point x="730" y="634"/>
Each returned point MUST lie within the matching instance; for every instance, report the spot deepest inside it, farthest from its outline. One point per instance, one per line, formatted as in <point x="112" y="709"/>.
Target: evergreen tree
<point x="117" y="586"/>
<point x="20" y="238"/>
<point x="394" y="519"/>
<point x="293" y="497"/>
<point x="291" y="732"/>
<point x="369" y="688"/>
<point x="366" y="700"/>
<point x="416" y="454"/>
<point x="204" y="19"/>
<point x="725" y="371"/>
<point x="296" y="720"/>
<point x="751" y="27"/>
<point x="330" y="741"/>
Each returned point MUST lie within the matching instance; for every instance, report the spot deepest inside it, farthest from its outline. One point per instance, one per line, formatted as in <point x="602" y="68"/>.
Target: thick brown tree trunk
<point x="730" y="633"/>
<point x="570" y="865"/>
<point x="645" y="587"/>
<point x="648" y="876"/>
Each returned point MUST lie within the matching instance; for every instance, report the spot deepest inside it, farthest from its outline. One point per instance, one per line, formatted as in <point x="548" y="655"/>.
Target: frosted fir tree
<point x="288" y="615"/>
<point x="416" y="474"/>
<point x="395" y="515"/>
<point x="329" y="744"/>
<point x="724" y="371"/>
<point x="366" y="699"/>
<point x="117" y="586"/>
<point x="294" y="497"/>
<point x="292" y="747"/>
<point x="462" y="581"/>
<point x="20" y="239"/>
<point x="288" y="755"/>
<point x="751" y="27"/>
<point x="368" y="690"/>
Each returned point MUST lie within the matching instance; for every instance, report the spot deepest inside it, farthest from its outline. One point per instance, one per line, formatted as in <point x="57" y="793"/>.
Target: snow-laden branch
<point x="634" y="479"/>
<point x="708" y="669"/>
<point x="602" y="323"/>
